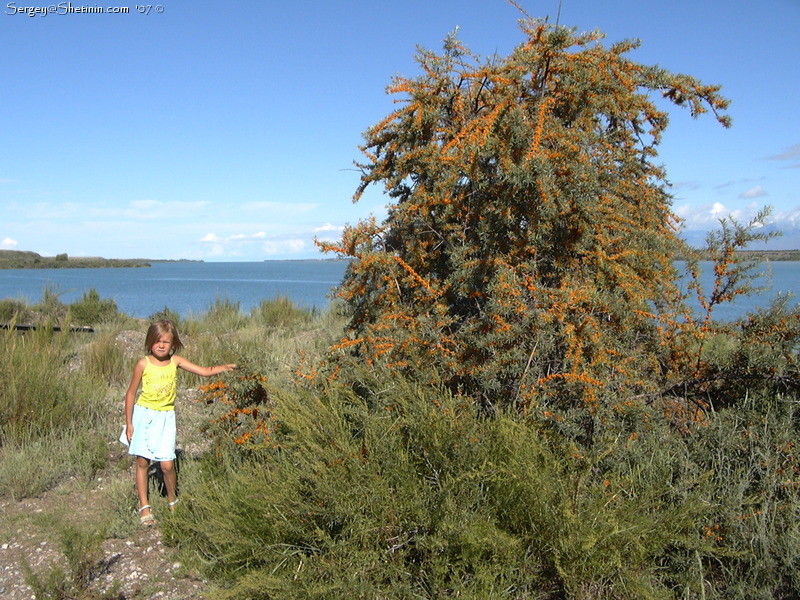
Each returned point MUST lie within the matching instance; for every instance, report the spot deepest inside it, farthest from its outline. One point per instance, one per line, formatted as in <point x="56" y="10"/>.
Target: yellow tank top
<point x="159" y="386"/>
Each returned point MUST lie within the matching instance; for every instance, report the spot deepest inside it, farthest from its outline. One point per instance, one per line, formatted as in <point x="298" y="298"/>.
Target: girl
<point x="150" y="423"/>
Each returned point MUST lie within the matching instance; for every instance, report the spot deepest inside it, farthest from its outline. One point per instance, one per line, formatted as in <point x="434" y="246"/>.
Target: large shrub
<point x="528" y="251"/>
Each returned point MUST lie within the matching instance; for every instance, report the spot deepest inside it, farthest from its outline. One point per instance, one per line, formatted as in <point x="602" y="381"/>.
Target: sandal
<point x="173" y="504"/>
<point x="149" y="519"/>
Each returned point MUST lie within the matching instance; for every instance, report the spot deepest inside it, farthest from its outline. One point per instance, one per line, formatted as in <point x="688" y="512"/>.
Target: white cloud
<point x="291" y="208"/>
<point x="144" y="204"/>
<point x="328" y="227"/>
<point x="718" y="210"/>
<point x="756" y="192"/>
<point x="137" y="210"/>
<point x="788" y="218"/>
<point x="699" y="220"/>
<point x="216" y="250"/>
<point x="707" y="216"/>
<point x="701" y="217"/>
<point x="290" y="246"/>
<point x="8" y="244"/>
<point x="328" y="232"/>
<point x="244" y="237"/>
<point x="255" y="245"/>
<point x="157" y="209"/>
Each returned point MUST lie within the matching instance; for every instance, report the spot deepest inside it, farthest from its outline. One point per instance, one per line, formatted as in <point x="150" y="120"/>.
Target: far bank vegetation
<point x="17" y="259"/>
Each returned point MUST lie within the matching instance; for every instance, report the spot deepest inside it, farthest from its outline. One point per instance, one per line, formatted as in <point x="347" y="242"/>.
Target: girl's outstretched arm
<point x="202" y="371"/>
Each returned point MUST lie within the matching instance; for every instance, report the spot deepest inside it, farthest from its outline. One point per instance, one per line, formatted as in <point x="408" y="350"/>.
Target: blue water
<point x="780" y="277"/>
<point x="192" y="287"/>
<point x="183" y="287"/>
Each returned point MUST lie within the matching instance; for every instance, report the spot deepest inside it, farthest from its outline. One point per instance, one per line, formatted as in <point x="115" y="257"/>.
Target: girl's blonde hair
<point x="159" y="328"/>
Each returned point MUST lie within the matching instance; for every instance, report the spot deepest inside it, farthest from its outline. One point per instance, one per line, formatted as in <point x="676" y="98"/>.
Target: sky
<point x="228" y="130"/>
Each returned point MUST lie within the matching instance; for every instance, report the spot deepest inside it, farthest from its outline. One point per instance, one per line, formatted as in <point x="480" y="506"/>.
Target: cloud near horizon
<point x="328" y="232"/>
<point x="259" y="244"/>
<point x="291" y="208"/>
<point x="8" y="244"/>
<point x="699" y="220"/>
<point x="290" y="246"/>
<point x="756" y="192"/>
<point x="707" y="216"/>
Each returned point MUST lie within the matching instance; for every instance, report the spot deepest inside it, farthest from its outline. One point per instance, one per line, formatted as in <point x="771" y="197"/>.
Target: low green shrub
<point x="391" y="489"/>
<point x="170" y="315"/>
<point x="122" y="520"/>
<point x="17" y="311"/>
<point x="28" y="469"/>
<point x="375" y="484"/>
<point x="50" y="415"/>
<point x="280" y="311"/>
<point x="91" y="309"/>
<point x="223" y="316"/>
<point x="50" y="310"/>
<point x="752" y="532"/>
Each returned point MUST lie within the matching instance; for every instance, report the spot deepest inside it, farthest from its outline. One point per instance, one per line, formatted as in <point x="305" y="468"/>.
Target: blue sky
<point x="227" y="131"/>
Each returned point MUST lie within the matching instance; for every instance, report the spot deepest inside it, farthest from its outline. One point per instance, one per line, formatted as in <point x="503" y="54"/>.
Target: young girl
<point x="150" y="423"/>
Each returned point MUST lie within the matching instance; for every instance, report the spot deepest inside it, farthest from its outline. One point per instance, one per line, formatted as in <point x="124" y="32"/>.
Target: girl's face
<point x="163" y="347"/>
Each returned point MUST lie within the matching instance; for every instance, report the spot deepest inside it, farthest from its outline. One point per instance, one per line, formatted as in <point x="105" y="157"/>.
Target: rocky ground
<point x="135" y="567"/>
<point x="131" y="564"/>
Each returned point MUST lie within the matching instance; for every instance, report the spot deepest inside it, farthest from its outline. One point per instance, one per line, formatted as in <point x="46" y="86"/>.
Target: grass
<point x="41" y="392"/>
<point x="377" y="486"/>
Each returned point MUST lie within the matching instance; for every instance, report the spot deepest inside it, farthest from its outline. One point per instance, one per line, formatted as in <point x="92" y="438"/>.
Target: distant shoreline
<point x="762" y="255"/>
<point x="20" y="259"/>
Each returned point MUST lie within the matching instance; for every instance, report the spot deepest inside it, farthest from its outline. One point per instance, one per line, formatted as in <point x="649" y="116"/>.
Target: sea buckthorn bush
<point x="529" y="248"/>
<point x="246" y="418"/>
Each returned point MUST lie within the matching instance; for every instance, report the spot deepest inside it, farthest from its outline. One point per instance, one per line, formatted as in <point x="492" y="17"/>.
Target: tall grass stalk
<point x="104" y="359"/>
<point x="50" y="415"/>
<point x="40" y="392"/>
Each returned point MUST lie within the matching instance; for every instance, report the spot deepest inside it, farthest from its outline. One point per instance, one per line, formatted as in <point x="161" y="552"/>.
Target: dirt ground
<point x="135" y="567"/>
<point x="132" y="566"/>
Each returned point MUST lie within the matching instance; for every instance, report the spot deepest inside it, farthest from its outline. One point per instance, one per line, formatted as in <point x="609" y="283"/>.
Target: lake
<point x="183" y="287"/>
<point x="780" y="277"/>
<point x="191" y="287"/>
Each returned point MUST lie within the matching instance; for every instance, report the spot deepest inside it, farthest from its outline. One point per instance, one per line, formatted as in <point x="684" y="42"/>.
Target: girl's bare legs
<point x="142" y="466"/>
<point x="170" y="479"/>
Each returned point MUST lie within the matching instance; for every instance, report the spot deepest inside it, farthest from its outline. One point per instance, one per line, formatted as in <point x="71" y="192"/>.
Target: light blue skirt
<point x="154" y="433"/>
